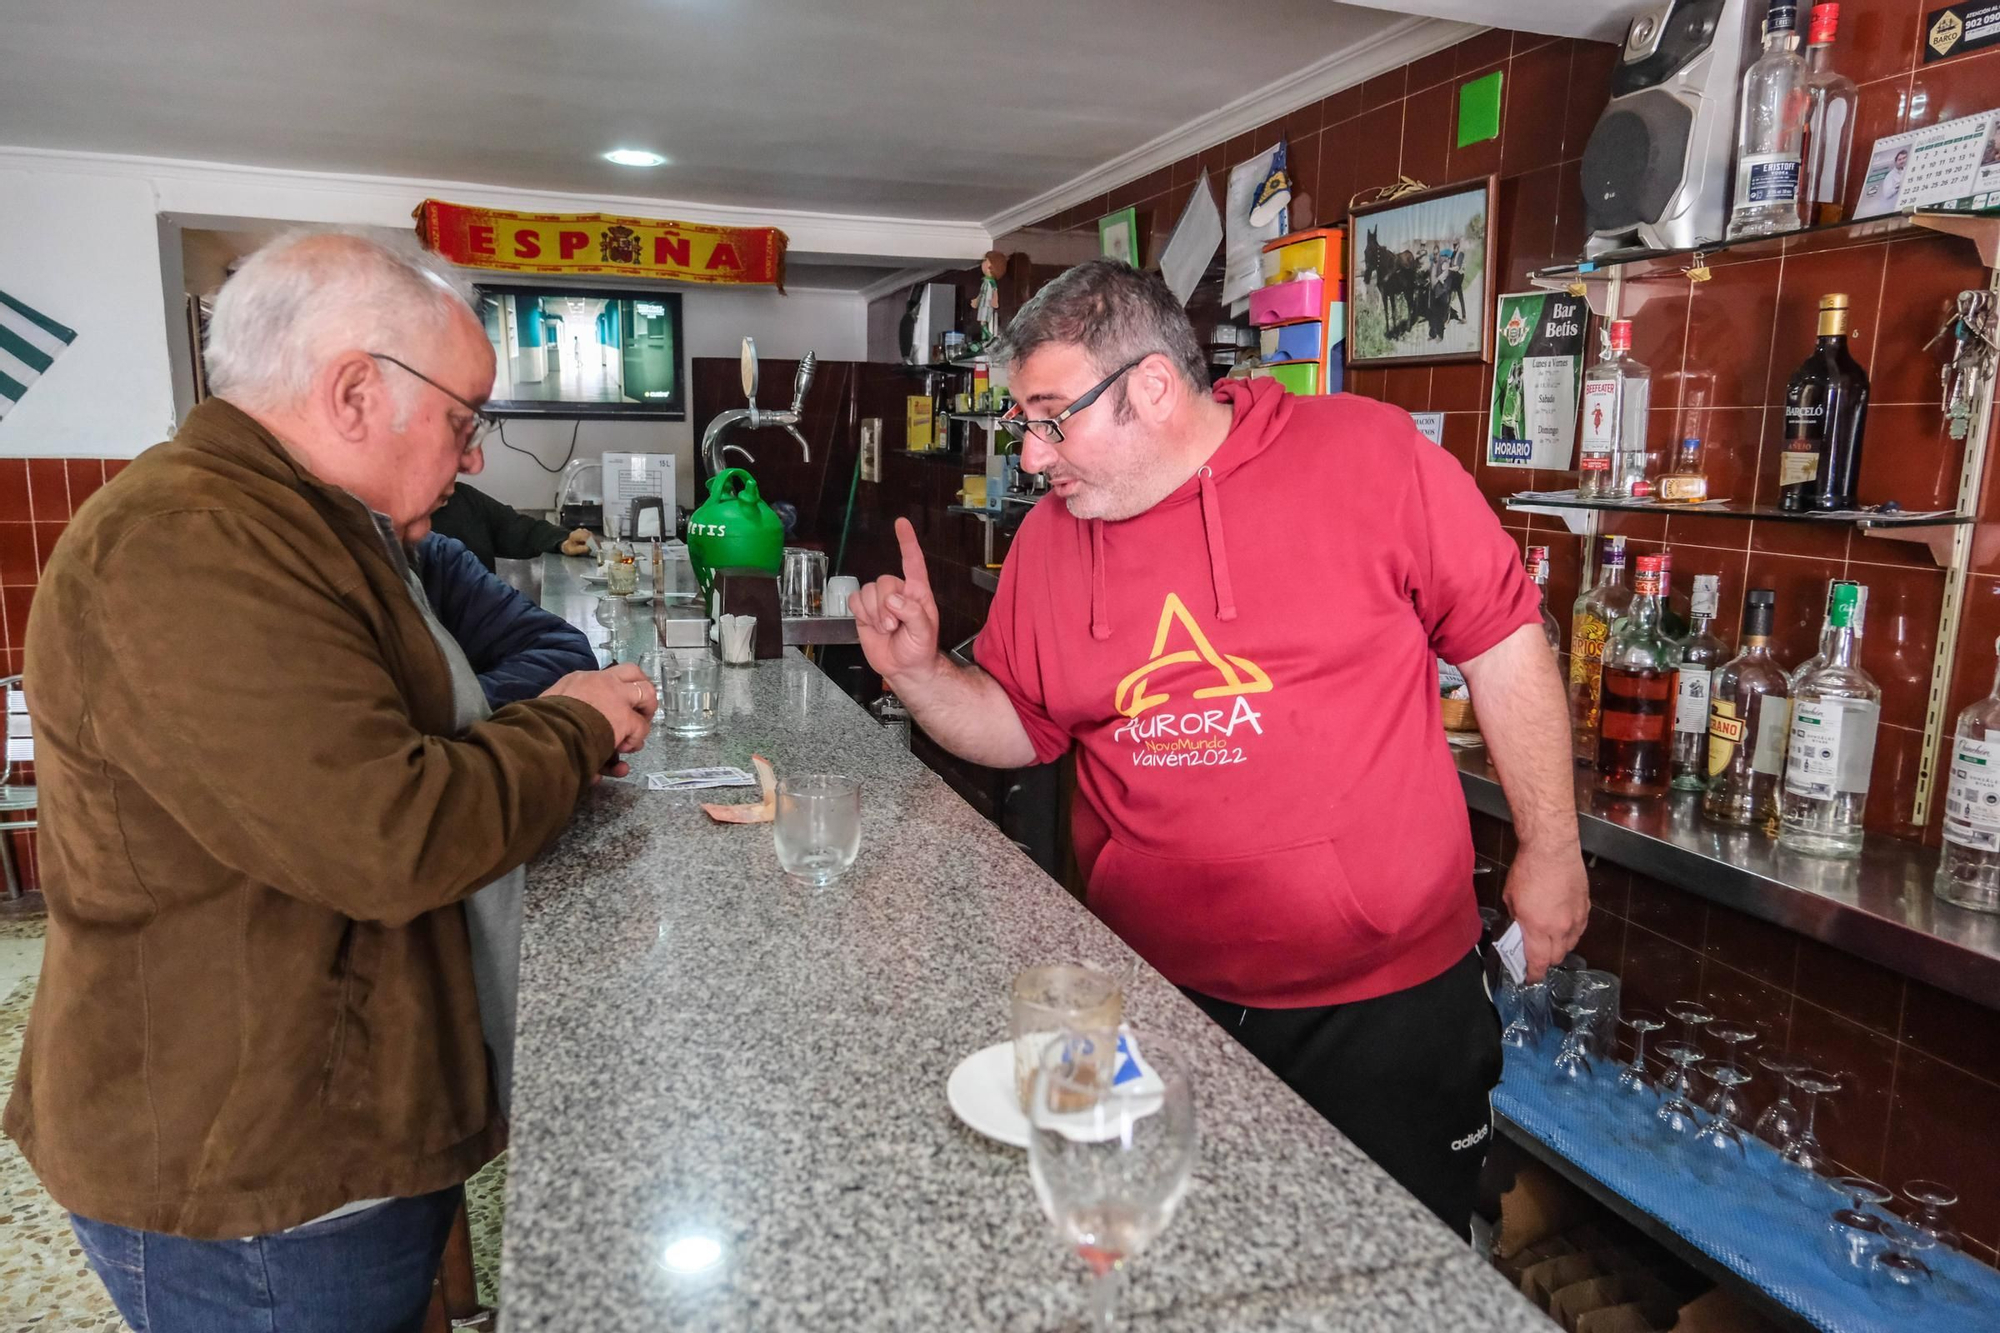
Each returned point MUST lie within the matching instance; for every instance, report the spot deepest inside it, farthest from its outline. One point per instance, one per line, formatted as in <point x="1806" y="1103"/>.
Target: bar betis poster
<point x="1537" y="375"/>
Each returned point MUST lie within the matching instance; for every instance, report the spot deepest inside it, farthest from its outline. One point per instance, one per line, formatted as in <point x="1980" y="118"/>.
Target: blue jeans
<point x="367" y="1272"/>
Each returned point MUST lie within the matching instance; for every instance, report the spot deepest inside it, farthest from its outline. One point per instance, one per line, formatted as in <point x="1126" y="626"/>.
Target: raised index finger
<point x="915" y="573"/>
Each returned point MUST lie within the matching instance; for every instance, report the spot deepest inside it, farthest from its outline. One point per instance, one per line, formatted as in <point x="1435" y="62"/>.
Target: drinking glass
<point x="804" y="581"/>
<point x="1719" y="1142"/>
<point x="1076" y="998"/>
<point x="690" y="688"/>
<point x="1806" y="1150"/>
<point x="1852" y="1236"/>
<point x="818" y="828"/>
<point x="1676" y="1110"/>
<point x="1932" y="1197"/>
<point x="1900" y="1272"/>
<point x="1632" y="1078"/>
<point x="1111" y="1148"/>
<point x="1572" y="1068"/>
<point x="621" y="575"/>
<point x="1781" y="1121"/>
<point x="1685" y="1054"/>
<point x="1526" y="1010"/>
<point x="1736" y="1038"/>
<point x="1603" y="988"/>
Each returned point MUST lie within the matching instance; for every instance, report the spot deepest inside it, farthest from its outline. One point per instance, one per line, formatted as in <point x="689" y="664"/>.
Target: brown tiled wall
<point x="37" y="498"/>
<point x="1920" y="1098"/>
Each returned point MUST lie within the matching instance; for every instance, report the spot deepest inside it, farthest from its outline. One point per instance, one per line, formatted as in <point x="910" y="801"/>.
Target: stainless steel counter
<point x="1879" y="907"/>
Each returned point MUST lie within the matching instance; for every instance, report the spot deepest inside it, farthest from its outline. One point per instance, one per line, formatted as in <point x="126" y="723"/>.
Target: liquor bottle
<point x="1635" y="738"/>
<point x="1538" y="570"/>
<point x="1589" y="626"/>
<point x="1832" y="745"/>
<point x="1799" y="673"/>
<point x="1826" y="411"/>
<point x="1616" y="392"/>
<point x="1672" y="623"/>
<point x="1686" y="482"/>
<point x="1701" y="654"/>
<point x="1969" y="871"/>
<point x="1748" y="717"/>
<point x="1830" y="101"/>
<point x="1770" y="128"/>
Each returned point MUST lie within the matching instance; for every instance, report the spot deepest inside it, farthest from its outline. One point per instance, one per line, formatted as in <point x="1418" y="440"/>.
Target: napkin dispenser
<point x="741" y="591"/>
<point x="646" y="519"/>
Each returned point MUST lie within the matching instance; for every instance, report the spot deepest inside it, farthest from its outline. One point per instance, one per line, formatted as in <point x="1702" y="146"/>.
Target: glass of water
<point x="690" y="688"/>
<point x="818" y="828"/>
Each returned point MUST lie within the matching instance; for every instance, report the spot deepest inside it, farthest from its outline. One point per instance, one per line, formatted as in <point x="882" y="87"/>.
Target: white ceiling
<point x="922" y="109"/>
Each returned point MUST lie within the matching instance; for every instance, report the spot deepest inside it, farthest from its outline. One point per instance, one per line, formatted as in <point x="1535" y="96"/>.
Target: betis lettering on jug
<point x="596" y="244"/>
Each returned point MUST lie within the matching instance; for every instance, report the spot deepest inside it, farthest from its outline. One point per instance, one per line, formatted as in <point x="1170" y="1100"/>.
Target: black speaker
<point x="1656" y="168"/>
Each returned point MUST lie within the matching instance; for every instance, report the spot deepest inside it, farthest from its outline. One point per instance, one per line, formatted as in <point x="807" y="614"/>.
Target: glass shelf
<point x="952" y="456"/>
<point x="1860" y="518"/>
<point x="985" y="420"/>
<point x="1983" y="229"/>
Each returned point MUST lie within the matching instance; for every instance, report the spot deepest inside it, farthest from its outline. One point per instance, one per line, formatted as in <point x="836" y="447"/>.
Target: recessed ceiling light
<point x="634" y="157"/>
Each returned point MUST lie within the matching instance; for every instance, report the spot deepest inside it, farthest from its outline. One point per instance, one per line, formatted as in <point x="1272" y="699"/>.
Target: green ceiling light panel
<point x="1479" y="109"/>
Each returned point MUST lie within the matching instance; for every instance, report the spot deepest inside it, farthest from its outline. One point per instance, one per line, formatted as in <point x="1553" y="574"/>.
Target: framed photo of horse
<point x="1419" y="272"/>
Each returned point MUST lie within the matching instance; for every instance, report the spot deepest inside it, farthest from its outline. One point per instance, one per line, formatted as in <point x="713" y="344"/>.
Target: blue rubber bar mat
<point x="1761" y="1220"/>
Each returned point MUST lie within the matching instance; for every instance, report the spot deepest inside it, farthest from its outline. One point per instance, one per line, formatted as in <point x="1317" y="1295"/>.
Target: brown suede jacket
<point x="257" y="826"/>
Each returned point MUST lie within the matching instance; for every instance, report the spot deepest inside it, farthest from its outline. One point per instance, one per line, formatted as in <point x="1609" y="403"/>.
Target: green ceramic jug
<point x="734" y="528"/>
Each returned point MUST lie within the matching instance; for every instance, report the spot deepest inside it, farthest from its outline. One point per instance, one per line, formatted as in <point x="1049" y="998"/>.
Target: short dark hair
<point x="1116" y="314"/>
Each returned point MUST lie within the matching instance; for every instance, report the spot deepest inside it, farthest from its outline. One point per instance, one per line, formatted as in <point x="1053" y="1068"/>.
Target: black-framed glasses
<point x="483" y="422"/>
<point x="1049" y="429"/>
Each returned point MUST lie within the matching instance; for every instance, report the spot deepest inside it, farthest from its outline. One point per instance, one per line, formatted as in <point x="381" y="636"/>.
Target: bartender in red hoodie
<point x="1231" y="605"/>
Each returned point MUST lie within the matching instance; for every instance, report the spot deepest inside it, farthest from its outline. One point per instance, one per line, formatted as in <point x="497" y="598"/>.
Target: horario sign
<point x="593" y="243"/>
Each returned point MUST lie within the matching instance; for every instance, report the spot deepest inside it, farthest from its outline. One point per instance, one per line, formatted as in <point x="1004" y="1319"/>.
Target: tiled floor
<point x="45" y="1286"/>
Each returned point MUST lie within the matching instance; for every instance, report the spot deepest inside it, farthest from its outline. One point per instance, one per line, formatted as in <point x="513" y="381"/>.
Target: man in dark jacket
<point x="491" y="529"/>
<point x="517" y="649"/>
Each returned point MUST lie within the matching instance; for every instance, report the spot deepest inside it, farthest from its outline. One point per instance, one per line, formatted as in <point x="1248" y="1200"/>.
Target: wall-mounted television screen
<point x="578" y="352"/>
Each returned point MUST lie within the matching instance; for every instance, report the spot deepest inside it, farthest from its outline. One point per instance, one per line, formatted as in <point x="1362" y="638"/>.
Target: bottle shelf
<point x="1860" y="518"/>
<point x="1592" y="273"/>
<point x="953" y="456"/>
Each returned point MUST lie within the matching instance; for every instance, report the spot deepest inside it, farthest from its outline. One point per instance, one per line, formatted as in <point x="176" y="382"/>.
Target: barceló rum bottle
<point x="1635" y="745"/>
<point x="1826" y="411"/>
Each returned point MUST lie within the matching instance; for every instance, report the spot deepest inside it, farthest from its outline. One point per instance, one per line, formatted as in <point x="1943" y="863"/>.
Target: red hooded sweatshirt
<point x="1267" y="810"/>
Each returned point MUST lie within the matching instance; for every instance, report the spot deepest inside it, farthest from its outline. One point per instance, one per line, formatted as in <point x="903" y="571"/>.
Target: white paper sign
<point x="1193" y="243"/>
<point x="630" y="476"/>
<point x="1243" y="261"/>
<point x="1430" y="425"/>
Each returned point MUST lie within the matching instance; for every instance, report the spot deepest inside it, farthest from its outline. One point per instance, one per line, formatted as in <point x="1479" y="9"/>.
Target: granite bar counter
<point x="713" y="1055"/>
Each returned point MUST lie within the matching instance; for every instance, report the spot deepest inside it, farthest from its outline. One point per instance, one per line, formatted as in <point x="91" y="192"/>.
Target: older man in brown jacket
<point x="254" y="1071"/>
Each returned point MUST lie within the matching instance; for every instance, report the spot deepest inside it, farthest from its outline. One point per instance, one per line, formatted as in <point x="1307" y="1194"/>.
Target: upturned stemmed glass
<point x="1719" y="1142"/>
<point x="1781" y="1121"/>
<point x="1111" y="1148"/>
<point x="1805" y="1150"/>
<point x="1632" y="1078"/>
<point x="1736" y="1040"/>
<point x="1852" y="1236"/>
<point x="1527" y="1013"/>
<point x="1900" y="1273"/>
<point x="1572" y="1067"/>
<point x="1932" y="1197"/>
<point x="1685" y="1053"/>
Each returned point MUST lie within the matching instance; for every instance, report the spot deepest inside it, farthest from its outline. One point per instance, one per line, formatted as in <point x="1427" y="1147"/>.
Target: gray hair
<point x="1116" y="314"/>
<point x="311" y="295"/>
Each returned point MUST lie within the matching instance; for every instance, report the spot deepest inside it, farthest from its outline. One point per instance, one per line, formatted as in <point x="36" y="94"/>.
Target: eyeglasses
<point x="1049" y="429"/>
<point x="483" y="422"/>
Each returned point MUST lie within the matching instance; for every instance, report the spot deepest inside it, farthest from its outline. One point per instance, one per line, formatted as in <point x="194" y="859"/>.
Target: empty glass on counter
<point x="1685" y="1054"/>
<point x="690" y="689"/>
<point x="1805" y="1149"/>
<point x="803" y="582"/>
<point x="1111" y="1148"/>
<point x="1852" y="1235"/>
<point x="1632" y="1078"/>
<point x="1572" y="1069"/>
<point x="1719" y="1143"/>
<point x="1781" y="1121"/>
<point x="1932" y="1197"/>
<point x="1899" y="1273"/>
<point x="818" y="826"/>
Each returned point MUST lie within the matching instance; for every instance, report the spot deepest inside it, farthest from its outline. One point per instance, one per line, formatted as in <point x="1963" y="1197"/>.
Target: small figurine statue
<point x="986" y="306"/>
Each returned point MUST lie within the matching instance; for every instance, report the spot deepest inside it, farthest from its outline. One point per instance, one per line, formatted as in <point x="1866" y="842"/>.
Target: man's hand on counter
<point x="897" y="618"/>
<point x="623" y="695"/>
<point x="577" y="543"/>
